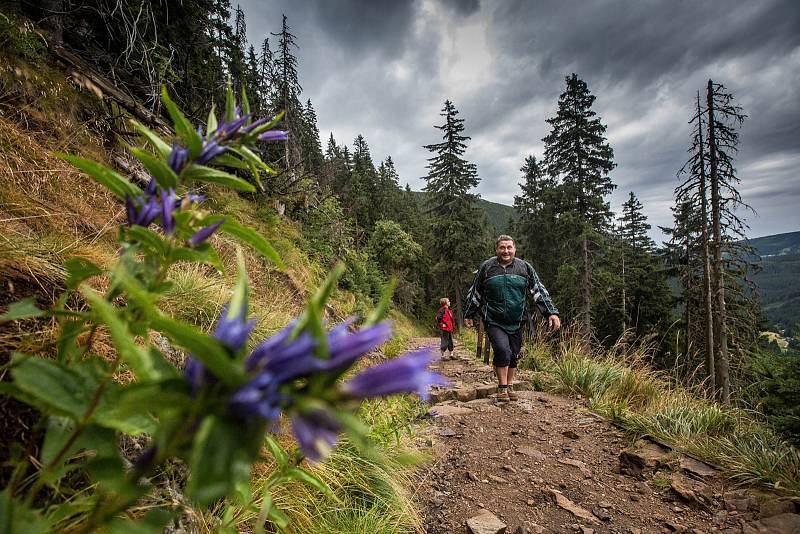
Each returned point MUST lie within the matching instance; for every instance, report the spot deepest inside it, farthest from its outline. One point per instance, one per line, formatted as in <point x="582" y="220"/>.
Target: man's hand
<point x="554" y="322"/>
<point x="468" y="323"/>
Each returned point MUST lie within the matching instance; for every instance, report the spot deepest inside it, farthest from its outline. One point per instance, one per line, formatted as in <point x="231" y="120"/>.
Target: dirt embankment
<point x="545" y="463"/>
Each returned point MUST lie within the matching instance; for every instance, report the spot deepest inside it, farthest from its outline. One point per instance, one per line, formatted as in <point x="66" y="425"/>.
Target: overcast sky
<point x="384" y="69"/>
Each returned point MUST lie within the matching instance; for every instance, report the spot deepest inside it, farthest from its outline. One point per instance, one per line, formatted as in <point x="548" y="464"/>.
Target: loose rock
<point x="485" y="523"/>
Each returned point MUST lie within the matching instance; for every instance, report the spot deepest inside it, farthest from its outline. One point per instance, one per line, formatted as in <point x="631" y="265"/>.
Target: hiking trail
<point x="546" y="463"/>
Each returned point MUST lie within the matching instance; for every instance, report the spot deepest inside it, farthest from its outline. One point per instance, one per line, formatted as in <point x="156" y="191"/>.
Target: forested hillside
<point x="778" y="283"/>
<point x="501" y="217"/>
<point x="196" y="281"/>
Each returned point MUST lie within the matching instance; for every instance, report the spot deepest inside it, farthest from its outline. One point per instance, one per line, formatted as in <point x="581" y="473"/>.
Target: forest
<point x="247" y="147"/>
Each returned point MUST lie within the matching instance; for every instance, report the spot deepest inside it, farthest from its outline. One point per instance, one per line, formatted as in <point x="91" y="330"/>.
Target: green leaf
<point x="17" y="517"/>
<point x="301" y="475"/>
<point x="66" y="346"/>
<point x="266" y="126"/>
<point x="115" y="182"/>
<point x="278" y="517"/>
<point x="54" y="387"/>
<point x="183" y="128"/>
<point x="201" y="173"/>
<point x="271" y="513"/>
<point x="239" y="299"/>
<point x="204" y="253"/>
<point x="247" y="236"/>
<point x="218" y="461"/>
<point x="211" y="123"/>
<point x="101" y="441"/>
<point x="149" y="238"/>
<point x="230" y="102"/>
<point x="163" y="173"/>
<point x="226" y="160"/>
<point x="58" y="389"/>
<point x="277" y="452"/>
<point x="172" y="394"/>
<point x="204" y="348"/>
<point x="79" y="269"/>
<point x="22" y="309"/>
<point x="144" y="363"/>
<point x="245" y="103"/>
<point x="158" y="143"/>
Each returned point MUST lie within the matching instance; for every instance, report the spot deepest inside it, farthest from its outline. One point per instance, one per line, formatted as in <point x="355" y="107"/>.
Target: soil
<point x="545" y="463"/>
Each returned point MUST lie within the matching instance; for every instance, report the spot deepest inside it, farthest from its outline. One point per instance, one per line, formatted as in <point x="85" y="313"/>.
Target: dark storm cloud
<point x="385" y="68"/>
<point x="462" y="7"/>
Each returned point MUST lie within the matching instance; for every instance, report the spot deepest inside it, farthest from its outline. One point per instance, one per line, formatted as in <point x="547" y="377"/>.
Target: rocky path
<point x="546" y="464"/>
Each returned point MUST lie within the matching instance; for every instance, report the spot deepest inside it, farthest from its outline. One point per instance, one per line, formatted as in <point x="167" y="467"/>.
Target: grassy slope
<point x="49" y="212"/>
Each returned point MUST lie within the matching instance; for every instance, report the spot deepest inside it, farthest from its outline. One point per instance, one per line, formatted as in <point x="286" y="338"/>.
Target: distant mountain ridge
<point x="779" y="280"/>
<point x="778" y="244"/>
<point x="500" y="215"/>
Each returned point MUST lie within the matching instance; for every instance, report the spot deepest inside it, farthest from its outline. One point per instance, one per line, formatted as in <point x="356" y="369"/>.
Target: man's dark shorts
<point x="506" y="346"/>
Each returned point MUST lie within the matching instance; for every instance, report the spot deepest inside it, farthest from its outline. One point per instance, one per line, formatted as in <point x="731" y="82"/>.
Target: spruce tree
<point x="287" y="93"/>
<point x="647" y="303"/>
<point x="578" y="154"/>
<point x="459" y="227"/>
<point x="311" y="146"/>
<point x="537" y="208"/>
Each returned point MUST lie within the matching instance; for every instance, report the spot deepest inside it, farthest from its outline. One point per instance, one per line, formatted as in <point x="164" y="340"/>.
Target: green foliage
<point x="18" y="37"/>
<point x="777" y="390"/>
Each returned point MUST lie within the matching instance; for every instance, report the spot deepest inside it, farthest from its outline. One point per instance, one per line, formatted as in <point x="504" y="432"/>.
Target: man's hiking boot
<point x="512" y="395"/>
<point x="502" y="396"/>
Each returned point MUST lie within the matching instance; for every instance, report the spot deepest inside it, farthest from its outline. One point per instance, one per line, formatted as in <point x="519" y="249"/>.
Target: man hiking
<point x="498" y="295"/>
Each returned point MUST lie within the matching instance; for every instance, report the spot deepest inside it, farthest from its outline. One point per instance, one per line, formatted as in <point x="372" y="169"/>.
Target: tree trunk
<point x="586" y="289"/>
<point x="624" y="311"/>
<point x="709" y="316"/>
<point x="720" y="335"/>
<point x="459" y="311"/>
<point x="687" y="316"/>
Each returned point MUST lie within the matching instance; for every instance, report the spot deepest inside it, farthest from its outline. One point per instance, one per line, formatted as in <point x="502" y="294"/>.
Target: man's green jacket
<point x="498" y="294"/>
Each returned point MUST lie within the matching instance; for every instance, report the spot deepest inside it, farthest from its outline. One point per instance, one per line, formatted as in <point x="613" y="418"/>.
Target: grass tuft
<point x="619" y="385"/>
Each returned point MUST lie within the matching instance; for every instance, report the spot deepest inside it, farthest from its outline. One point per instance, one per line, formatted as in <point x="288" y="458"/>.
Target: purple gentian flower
<point x="177" y="158"/>
<point x="197" y="374"/>
<point x="286" y="360"/>
<point x="211" y="150"/>
<point x="346" y="347"/>
<point x="230" y="129"/>
<point x="405" y="374"/>
<point x="316" y="432"/>
<point x="274" y="135"/>
<point x="233" y="330"/>
<point x="142" y="212"/>
<point x="259" y="398"/>
<point x="168" y="199"/>
<point x="201" y="235"/>
<point x="255" y="124"/>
